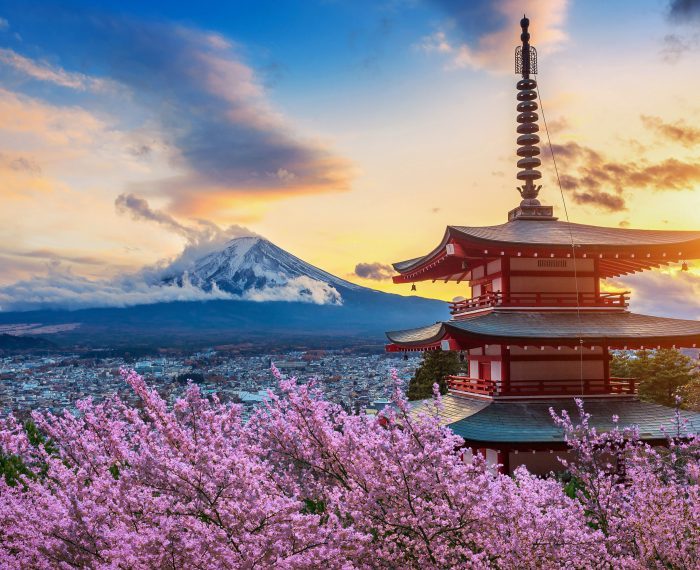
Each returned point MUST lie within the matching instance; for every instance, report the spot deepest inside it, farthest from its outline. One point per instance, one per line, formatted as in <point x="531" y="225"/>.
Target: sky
<point x="349" y="133"/>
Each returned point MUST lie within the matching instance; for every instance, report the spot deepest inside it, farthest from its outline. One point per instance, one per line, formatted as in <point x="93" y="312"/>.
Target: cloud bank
<point x="214" y="112"/>
<point x="44" y="71"/>
<point x="683" y="11"/>
<point x="299" y="289"/>
<point x="61" y="289"/>
<point x="204" y="103"/>
<point x="64" y="290"/>
<point x="666" y="294"/>
<point x="597" y="180"/>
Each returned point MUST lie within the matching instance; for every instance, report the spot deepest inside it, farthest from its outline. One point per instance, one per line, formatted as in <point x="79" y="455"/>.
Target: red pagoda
<point x="537" y="330"/>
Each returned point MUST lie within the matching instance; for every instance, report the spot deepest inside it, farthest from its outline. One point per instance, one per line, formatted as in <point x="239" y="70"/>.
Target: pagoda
<point x="537" y="330"/>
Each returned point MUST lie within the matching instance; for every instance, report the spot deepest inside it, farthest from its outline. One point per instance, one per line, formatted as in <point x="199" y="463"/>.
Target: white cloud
<point x="664" y="293"/>
<point x="64" y="290"/>
<point x="44" y="71"/>
<point x="493" y="49"/>
<point x="299" y="289"/>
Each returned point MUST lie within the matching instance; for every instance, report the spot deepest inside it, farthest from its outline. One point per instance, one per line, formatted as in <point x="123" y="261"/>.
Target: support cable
<point x="571" y="237"/>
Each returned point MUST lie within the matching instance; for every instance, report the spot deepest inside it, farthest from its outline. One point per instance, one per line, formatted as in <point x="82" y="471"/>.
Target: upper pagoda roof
<point x="621" y="250"/>
<point x="540" y="327"/>
<point x="555" y="232"/>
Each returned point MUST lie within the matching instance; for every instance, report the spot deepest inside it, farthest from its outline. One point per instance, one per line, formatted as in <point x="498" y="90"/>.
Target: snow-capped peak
<point x="256" y="269"/>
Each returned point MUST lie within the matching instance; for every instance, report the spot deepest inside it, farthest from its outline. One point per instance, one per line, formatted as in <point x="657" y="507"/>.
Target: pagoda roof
<point x="621" y="250"/>
<point x="530" y="422"/>
<point x="556" y="232"/>
<point x="610" y="328"/>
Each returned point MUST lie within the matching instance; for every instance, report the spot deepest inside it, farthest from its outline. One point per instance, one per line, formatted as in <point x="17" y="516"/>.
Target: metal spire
<point x="526" y="63"/>
<point x="528" y="151"/>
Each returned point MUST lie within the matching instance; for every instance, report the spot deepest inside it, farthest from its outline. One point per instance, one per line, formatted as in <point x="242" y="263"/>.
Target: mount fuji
<point x="251" y="291"/>
<point x="255" y="269"/>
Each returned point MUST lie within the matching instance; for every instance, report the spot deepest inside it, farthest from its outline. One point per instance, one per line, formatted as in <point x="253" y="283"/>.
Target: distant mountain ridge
<point x="311" y="305"/>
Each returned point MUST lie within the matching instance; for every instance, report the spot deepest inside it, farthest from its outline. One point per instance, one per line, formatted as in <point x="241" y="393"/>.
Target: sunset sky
<point x="346" y="132"/>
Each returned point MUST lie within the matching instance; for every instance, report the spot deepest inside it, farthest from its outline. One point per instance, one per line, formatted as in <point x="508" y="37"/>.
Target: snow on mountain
<point x="255" y="269"/>
<point x="211" y="298"/>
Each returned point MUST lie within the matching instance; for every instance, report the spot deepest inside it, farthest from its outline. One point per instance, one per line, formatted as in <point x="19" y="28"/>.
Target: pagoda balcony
<point x="482" y="388"/>
<point x="617" y="300"/>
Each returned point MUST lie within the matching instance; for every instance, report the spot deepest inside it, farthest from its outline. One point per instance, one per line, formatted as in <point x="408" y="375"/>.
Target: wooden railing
<point x="623" y="385"/>
<point x="471" y="385"/>
<point x="617" y="299"/>
<point x="587" y="386"/>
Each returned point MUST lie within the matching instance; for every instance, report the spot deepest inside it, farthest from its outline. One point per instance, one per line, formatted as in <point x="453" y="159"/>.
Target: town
<point x="54" y="382"/>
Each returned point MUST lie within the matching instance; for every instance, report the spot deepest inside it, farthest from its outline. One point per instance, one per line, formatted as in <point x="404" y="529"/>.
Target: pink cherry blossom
<point x="303" y="484"/>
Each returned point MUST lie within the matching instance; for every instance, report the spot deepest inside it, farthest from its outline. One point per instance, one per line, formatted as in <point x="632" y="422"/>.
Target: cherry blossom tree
<point x="645" y="500"/>
<point x="303" y="484"/>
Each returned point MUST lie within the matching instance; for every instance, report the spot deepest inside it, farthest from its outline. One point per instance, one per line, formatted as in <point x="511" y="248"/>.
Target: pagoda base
<point x="531" y="213"/>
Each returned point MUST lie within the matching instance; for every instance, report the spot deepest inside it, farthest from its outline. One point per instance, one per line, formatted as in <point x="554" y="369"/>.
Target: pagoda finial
<point x="528" y="151"/>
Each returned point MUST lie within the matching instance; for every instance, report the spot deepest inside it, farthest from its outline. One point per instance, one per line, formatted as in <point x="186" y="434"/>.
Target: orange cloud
<point x="602" y="182"/>
<point x="678" y="132"/>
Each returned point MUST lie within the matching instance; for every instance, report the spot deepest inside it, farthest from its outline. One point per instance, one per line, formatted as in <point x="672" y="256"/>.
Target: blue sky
<point x="347" y="132"/>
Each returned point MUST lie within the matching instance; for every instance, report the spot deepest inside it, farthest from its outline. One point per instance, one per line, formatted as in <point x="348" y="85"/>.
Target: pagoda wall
<point x="538" y="462"/>
<point x="556" y="370"/>
<point x="528" y="370"/>
<point x="550" y="368"/>
<point x="492" y="268"/>
<point x="489" y="356"/>
<point x="496" y="369"/>
<point x="551" y="275"/>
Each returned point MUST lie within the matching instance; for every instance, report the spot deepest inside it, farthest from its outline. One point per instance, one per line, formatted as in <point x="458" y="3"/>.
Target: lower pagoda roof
<point x="505" y="422"/>
<point x="614" y="328"/>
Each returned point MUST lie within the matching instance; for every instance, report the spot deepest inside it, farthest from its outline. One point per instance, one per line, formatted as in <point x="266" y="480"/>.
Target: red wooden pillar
<point x="504" y="461"/>
<point x="505" y="370"/>
<point x="596" y="278"/>
<point x="505" y="279"/>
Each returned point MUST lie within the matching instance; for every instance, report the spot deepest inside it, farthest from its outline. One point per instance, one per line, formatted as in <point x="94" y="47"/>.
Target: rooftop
<point x="609" y="328"/>
<point x="531" y="422"/>
<point x="621" y="250"/>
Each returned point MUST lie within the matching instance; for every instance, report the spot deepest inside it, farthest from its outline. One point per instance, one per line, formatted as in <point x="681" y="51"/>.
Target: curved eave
<point x="624" y="256"/>
<point x="614" y="330"/>
<point x="418" y="337"/>
<point x="617" y="330"/>
<point x="410" y="269"/>
<point x="531" y="422"/>
<point x="516" y="423"/>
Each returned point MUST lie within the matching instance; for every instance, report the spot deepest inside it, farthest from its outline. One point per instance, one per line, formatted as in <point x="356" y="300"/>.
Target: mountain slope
<point x="309" y="304"/>
<point x="249" y="264"/>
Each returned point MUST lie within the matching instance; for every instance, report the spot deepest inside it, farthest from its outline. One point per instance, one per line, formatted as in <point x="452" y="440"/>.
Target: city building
<point x="538" y="329"/>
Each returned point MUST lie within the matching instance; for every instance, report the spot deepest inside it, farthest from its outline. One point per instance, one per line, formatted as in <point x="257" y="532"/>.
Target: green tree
<point x="435" y="366"/>
<point x="690" y="393"/>
<point x="660" y="373"/>
<point x="12" y="466"/>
